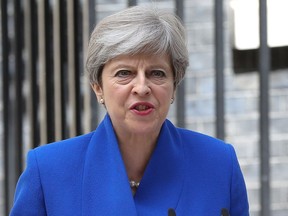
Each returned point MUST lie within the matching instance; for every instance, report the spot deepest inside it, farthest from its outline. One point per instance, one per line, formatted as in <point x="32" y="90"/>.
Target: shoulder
<point x="202" y="146"/>
<point x="74" y="142"/>
<point x="201" y="140"/>
<point x="68" y="149"/>
<point x="206" y="145"/>
<point x="193" y="136"/>
<point x="195" y="139"/>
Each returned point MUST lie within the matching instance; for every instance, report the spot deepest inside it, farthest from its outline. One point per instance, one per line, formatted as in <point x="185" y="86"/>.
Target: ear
<point x="174" y="93"/>
<point x="97" y="90"/>
<point x="172" y="99"/>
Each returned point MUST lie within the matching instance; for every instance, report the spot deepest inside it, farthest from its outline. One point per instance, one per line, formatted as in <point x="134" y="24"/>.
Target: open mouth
<point x="142" y="107"/>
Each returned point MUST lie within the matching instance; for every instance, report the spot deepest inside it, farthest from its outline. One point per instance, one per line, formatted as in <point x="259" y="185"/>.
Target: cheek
<point x="115" y="95"/>
<point x="166" y="95"/>
<point x="170" y="91"/>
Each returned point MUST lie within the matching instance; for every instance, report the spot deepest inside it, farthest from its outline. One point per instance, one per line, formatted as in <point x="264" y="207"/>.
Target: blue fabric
<point x="190" y="172"/>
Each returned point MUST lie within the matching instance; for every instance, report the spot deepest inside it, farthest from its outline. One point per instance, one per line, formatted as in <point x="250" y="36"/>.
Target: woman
<point x="136" y="162"/>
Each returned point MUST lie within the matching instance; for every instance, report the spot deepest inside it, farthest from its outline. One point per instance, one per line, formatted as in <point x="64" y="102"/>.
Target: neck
<point x="136" y="153"/>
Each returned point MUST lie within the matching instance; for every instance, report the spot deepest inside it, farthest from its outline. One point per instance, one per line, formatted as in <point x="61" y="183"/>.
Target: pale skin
<point x="137" y="92"/>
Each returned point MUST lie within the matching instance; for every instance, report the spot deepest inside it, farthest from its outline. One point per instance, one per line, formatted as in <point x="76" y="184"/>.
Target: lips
<point x="142" y="106"/>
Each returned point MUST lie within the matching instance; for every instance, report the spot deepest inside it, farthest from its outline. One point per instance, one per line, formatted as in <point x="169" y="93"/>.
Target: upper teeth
<point x="141" y="107"/>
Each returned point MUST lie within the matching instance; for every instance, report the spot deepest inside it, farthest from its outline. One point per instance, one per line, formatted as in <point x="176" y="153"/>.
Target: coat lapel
<point x="162" y="183"/>
<point x="106" y="189"/>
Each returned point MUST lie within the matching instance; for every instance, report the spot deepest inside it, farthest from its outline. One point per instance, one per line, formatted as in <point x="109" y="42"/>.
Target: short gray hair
<point x="137" y="30"/>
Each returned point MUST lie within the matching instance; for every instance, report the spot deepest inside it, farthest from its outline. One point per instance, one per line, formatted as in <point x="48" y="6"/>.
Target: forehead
<point x="162" y="60"/>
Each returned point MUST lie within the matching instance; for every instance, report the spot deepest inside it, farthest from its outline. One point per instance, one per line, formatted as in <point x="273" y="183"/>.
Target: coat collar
<point x="106" y="189"/>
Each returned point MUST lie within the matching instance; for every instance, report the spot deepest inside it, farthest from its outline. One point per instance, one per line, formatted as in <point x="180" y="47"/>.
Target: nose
<point x="141" y="86"/>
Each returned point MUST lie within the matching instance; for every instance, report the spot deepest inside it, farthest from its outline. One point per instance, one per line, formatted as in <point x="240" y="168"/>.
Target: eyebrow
<point x="154" y="66"/>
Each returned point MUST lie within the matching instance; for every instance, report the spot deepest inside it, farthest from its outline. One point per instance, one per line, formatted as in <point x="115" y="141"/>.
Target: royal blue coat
<point x="192" y="173"/>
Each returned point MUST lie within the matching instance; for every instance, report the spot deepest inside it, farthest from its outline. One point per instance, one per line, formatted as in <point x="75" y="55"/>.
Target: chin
<point x="145" y="128"/>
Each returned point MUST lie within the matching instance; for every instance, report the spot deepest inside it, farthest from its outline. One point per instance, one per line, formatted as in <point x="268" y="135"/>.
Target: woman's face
<point x="137" y="92"/>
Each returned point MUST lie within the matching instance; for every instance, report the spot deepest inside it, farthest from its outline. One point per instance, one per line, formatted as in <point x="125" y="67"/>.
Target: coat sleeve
<point x="29" y="199"/>
<point x="239" y="200"/>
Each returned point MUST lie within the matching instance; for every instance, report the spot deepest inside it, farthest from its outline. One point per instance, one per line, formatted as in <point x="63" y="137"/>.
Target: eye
<point x="123" y="73"/>
<point x="158" y="73"/>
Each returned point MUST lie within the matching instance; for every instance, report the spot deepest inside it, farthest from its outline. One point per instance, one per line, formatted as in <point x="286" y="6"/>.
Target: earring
<point x="101" y="101"/>
<point x="172" y="100"/>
